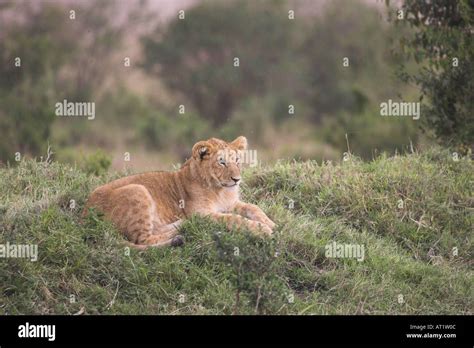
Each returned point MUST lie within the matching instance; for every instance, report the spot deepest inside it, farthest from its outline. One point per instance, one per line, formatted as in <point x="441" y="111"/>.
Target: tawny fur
<point x="148" y="208"/>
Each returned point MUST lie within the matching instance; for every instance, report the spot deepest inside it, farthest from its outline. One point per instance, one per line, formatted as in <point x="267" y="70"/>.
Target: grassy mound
<point x="412" y="214"/>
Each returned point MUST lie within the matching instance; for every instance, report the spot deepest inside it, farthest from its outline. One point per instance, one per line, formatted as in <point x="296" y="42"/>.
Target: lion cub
<point x="148" y="208"/>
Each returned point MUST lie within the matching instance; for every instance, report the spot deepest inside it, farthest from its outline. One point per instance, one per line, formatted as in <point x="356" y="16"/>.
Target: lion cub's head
<point x="218" y="163"/>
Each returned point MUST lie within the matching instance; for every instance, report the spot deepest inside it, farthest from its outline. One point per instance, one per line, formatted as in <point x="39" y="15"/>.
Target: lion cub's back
<point x="100" y="197"/>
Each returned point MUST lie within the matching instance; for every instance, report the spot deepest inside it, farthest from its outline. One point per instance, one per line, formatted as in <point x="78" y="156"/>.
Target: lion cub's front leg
<point x="233" y="220"/>
<point x="253" y="212"/>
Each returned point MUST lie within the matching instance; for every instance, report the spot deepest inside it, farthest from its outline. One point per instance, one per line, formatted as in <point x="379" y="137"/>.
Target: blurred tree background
<point x="164" y="74"/>
<point x="443" y="46"/>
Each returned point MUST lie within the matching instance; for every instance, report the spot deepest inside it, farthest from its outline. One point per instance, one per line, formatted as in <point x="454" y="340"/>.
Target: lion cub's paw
<point x="264" y="220"/>
<point x="269" y="223"/>
<point x="261" y="227"/>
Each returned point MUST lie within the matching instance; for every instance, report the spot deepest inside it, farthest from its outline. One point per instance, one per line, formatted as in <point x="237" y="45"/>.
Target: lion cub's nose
<point x="236" y="180"/>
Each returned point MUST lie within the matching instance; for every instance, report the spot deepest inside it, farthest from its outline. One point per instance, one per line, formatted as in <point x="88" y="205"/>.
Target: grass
<point x="410" y="264"/>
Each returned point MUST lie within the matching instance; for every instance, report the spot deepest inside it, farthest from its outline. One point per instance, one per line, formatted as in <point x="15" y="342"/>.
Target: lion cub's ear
<point x="240" y="143"/>
<point x="201" y="149"/>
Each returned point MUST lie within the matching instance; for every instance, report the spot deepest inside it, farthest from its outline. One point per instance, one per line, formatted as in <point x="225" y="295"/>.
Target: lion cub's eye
<point x="221" y="161"/>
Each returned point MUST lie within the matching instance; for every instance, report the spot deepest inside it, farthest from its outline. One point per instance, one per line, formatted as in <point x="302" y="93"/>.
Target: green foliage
<point x="251" y="264"/>
<point x="260" y="109"/>
<point x="254" y="262"/>
<point x="27" y="91"/>
<point x="195" y="56"/>
<point x="56" y="64"/>
<point x="282" y="62"/>
<point x="96" y="163"/>
<point x="443" y="46"/>
<point x="409" y="250"/>
<point x="368" y="133"/>
<point x="124" y="107"/>
<point x="355" y="33"/>
<point x="172" y="131"/>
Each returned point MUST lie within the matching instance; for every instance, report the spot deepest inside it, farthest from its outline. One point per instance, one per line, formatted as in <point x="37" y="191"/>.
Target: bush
<point x="96" y="163"/>
<point x="443" y="47"/>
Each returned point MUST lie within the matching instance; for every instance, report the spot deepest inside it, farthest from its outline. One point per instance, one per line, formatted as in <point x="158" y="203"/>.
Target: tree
<point x="28" y="59"/>
<point x="348" y="60"/>
<point x="443" y="48"/>
<point x="196" y="56"/>
<point x="47" y="56"/>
